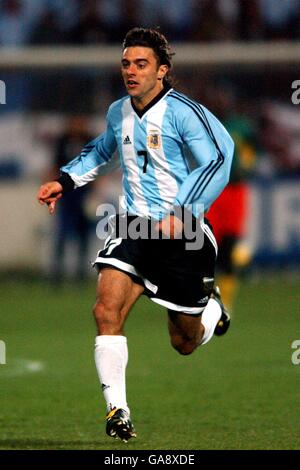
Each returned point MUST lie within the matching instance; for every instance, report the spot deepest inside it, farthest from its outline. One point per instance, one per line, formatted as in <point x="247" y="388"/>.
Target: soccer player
<point x="154" y="128"/>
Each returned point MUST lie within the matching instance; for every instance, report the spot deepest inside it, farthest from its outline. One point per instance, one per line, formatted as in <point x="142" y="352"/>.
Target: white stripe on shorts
<point x="178" y="308"/>
<point x="210" y="235"/>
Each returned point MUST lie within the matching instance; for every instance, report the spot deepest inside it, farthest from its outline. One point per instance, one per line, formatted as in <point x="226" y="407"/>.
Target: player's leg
<point x="116" y="294"/>
<point x="187" y="331"/>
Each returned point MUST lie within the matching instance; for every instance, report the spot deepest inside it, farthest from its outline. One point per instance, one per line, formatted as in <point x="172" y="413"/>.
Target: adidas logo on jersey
<point x="204" y="300"/>
<point x="126" y="140"/>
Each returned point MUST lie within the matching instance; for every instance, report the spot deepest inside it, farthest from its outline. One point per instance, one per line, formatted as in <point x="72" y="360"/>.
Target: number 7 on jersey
<point x="144" y="153"/>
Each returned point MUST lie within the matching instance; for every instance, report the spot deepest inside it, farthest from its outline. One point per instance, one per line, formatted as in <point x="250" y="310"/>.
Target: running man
<point x="153" y="128"/>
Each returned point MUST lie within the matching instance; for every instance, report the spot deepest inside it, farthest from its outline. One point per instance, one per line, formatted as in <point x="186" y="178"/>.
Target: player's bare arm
<point x="171" y="226"/>
<point x="49" y="193"/>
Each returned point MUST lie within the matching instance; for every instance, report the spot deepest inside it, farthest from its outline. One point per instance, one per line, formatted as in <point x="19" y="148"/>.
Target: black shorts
<point x="173" y="276"/>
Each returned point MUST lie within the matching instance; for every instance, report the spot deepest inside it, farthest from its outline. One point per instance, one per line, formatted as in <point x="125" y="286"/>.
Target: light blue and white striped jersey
<point x="154" y="147"/>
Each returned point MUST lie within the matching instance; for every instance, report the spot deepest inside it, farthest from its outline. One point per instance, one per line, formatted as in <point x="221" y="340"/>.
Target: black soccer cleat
<point x="119" y="425"/>
<point x="224" y="322"/>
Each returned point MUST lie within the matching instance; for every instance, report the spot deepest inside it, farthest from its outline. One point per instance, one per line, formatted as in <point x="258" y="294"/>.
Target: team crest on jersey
<point x="154" y="140"/>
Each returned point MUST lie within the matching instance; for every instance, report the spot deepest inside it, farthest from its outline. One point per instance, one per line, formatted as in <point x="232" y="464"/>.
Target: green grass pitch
<point x="237" y="392"/>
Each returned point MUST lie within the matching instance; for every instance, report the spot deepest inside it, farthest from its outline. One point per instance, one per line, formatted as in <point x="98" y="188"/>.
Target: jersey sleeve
<point x="94" y="159"/>
<point x="212" y="148"/>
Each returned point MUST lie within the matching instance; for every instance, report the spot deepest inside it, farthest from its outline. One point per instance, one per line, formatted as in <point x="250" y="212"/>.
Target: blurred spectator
<point x="47" y="31"/>
<point x="91" y="27"/>
<point x="249" y="20"/>
<point x="229" y="11"/>
<point x="175" y="19"/>
<point x="72" y="222"/>
<point x="213" y="21"/>
<point x="178" y="20"/>
<point x="129" y="18"/>
<point x="280" y="138"/>
<point x="119" y="16"/>
<point x="67" y="17"/>
<point x="14" y="23"/>
<point x="279" y="18"/>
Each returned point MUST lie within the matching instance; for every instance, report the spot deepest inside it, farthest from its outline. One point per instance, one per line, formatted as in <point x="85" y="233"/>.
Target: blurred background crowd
<point x="50" y="113"/>
<point x="26" y="22"/>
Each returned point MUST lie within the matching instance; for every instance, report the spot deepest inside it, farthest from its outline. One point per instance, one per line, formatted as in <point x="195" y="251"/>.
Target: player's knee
<point x="98" y="311"/>
<point x="107" y="319"/>
<point x="183" y="347"/>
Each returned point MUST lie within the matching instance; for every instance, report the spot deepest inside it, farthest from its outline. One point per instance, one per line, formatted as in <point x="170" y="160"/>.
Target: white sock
<point x="111" y="357"/>
<point x="210" y="317"/>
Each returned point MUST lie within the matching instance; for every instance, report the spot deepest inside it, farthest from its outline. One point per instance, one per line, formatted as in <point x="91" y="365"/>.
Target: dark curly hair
<point x="153" y="38"/>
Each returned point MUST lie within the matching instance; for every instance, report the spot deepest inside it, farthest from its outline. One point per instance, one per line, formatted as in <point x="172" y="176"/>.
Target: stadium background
<point x="61" y="63"/>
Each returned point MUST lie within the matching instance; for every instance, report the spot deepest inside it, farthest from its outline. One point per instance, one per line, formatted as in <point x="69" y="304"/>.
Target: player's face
<point x="142" y="75"/>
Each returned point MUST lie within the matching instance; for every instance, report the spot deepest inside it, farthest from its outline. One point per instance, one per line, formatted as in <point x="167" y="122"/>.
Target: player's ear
<point x="162" y="71"/>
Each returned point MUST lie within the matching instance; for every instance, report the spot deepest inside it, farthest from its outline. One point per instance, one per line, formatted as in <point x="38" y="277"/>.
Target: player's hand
<point x="170" y="226"/>
<point x="50" y="193"/>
